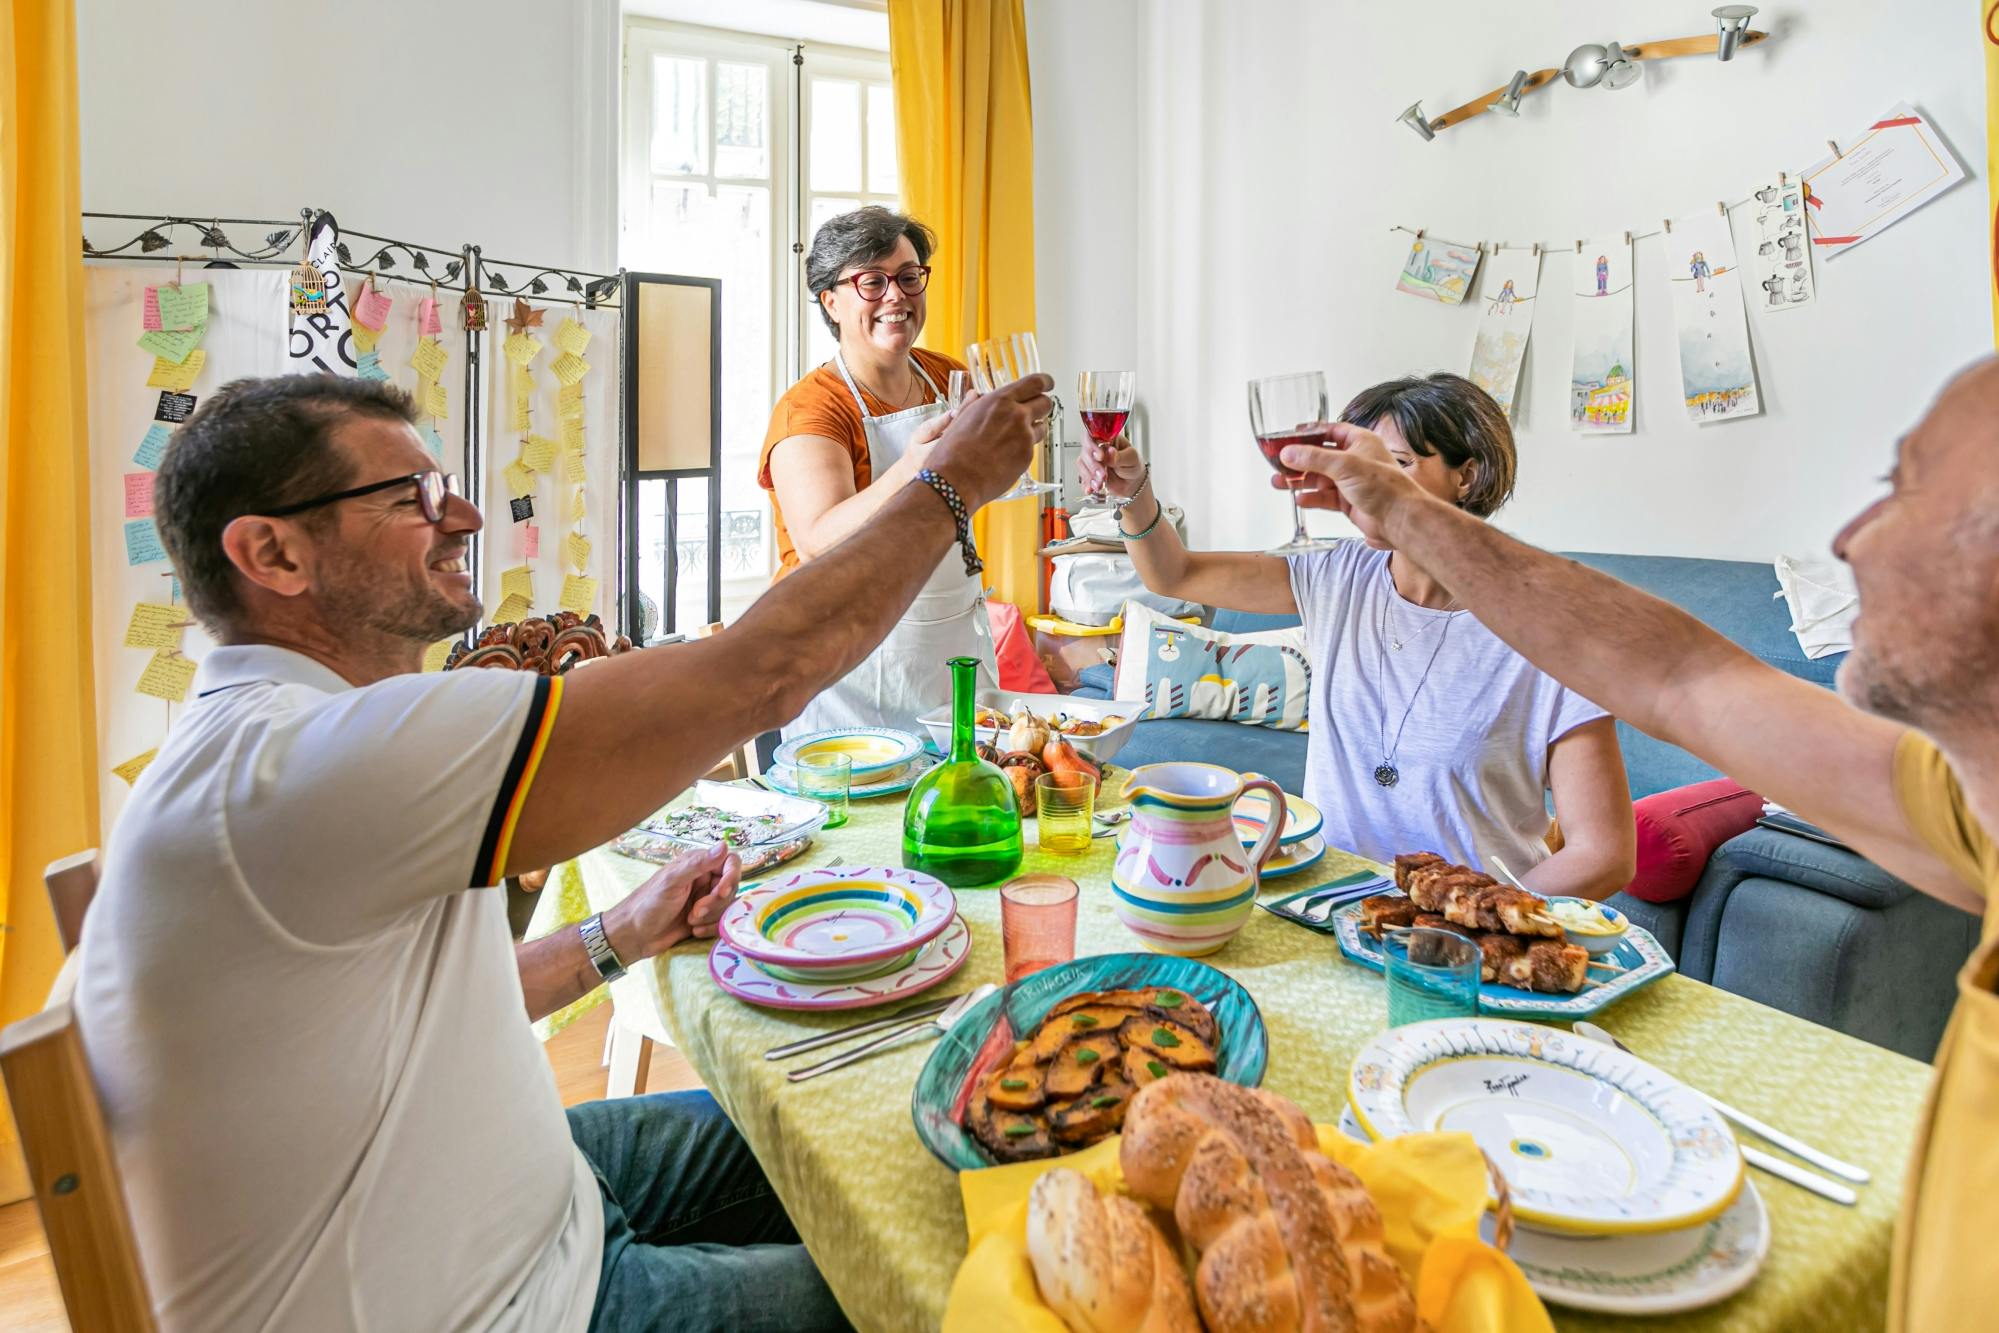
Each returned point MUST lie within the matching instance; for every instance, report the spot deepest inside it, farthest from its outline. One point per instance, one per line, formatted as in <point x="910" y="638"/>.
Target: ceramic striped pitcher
<point x="1182" y="881"/>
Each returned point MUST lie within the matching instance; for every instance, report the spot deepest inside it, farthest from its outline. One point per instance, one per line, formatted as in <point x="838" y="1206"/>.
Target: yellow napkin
<point x="1430" y="1188"/>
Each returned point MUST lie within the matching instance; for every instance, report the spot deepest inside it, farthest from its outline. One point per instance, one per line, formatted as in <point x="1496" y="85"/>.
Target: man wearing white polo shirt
<point x="301" y="1002"/>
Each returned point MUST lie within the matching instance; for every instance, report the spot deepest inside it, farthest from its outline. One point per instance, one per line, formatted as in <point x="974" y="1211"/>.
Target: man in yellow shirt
<point x="1903" y="762"/>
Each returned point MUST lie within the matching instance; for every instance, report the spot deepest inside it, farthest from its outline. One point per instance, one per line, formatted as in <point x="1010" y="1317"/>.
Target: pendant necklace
<point x="1398" y="644"/>
<point x="1386" y="774"/>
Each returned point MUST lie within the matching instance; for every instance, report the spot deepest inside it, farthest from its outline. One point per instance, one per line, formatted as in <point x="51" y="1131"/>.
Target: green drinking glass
<point x="962" y="823"/>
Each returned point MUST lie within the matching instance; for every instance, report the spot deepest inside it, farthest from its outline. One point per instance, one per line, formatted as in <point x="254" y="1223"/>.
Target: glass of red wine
<point x="1104" y="398"/>
<point x="1290" y="409"/>
<point x="999" y="361"/>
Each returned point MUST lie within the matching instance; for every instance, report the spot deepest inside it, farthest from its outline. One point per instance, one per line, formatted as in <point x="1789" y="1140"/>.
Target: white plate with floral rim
<point x="746" y="981"/>
<point x="1593" y="1140"/>
<point x="1666" y="1272"/>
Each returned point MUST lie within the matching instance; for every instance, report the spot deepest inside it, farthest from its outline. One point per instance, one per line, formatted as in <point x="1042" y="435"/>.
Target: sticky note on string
<point x="517" y="582"/>
<point x="521" y="381"/>
<point x="167" y="675"/>
<point x="369" y="366"/>
<point x="372" y="310"/>
<point x="427" y="322"/>
<point x="172" y="347"/>
<point x="572" y="337"/>
<point x="576" y="550"/>
<point x="519" y="480"/>
<point x="521" y="348"/>
<point x="572" y="434"/>
<point x="433" y="441"/>
<point x="570" y="399"/>
<point x="429" y="358"/>
<point x="174" y="407"/>
<point x="521" y="418"/>
<point x="365" y="338"/>
<point x="153" y="447"/>
<point x="434" y="402"/>
<point x="435" y="655"/>
<point x="138" y="494"/>
<point x="530" y="541"/>
<point x="574" y="511"/>
<point x="149" y="311"/>
<point x="569" y="367"/>
<point x="538" y="452"/>
<point x="573" y="469"/>
<point x="512" y="610"/>
<point x="176" y="376"/>
<point x="522" y="507"/>
<point x="130" y="770"/>
<point x="156" y="626"/>
<point x="184" y="306"/>
<point x="579" y="594"/>
<point x="142" y="542"/>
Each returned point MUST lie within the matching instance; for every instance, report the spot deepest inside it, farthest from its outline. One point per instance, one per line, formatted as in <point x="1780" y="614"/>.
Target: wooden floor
<point x="30" y="1302"/>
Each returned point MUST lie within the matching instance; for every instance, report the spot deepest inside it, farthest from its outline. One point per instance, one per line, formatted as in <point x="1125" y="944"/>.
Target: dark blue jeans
<point x="694" y="1238"/>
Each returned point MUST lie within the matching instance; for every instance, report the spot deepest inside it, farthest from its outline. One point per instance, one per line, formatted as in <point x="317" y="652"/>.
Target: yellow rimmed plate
<point x="1302" y="819"/>
<point x="879" y="753"/>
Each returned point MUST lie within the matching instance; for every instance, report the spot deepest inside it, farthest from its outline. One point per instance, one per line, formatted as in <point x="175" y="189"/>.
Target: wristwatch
<point x="602" y="956"/>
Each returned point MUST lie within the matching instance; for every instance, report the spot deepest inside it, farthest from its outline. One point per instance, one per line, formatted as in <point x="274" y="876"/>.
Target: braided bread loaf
<point x="1101" y="1264"/>
<point x="1288" y="1241"/>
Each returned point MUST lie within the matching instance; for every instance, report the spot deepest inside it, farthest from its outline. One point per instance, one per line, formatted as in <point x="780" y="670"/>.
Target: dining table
<point x="884" y="1220"/>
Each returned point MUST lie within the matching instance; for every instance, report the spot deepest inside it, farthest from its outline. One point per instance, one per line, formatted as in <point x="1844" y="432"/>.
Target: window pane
<point x="826" y="206"/>
<point x="691" y="545"/>
<point x="679" y="116"/>
<point x="651" y="537"/>
<point x="881" y="141"/>
<point x="742" y="98"/>
<point x="836" y="134"/>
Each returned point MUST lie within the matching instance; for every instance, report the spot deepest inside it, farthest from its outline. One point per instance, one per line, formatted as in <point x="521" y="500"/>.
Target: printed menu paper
<point x="1880" y="176"/>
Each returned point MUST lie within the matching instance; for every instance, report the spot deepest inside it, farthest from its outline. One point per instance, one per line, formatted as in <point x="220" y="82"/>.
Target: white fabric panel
<point x="503" y="546"/>
<point x="248" y="328"/>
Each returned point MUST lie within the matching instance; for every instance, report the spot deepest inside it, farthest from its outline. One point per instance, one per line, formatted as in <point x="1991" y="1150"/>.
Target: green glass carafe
<point x="962" y="823"/>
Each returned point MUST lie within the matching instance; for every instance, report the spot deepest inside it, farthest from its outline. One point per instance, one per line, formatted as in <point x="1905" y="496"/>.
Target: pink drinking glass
<point x="1037" y="923"/>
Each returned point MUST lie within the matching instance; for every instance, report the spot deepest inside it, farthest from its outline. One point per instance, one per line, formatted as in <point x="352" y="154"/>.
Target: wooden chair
<point x="72" y="883"/>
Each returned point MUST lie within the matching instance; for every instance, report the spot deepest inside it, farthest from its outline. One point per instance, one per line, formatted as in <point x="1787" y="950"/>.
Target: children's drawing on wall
<point x="1601" y="376"/>
<point x="1439" y="270"/>
<point x="1511" y="280"/>
<point x="1780" y="258"/>
<point x="1716" y="373"/>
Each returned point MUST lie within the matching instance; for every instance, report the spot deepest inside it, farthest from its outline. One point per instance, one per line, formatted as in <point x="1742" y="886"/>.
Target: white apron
<point x="907" y="675"/>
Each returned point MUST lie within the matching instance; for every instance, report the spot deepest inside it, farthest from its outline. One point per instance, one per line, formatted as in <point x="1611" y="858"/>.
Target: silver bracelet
<point x="1158" y="514"/>
<point x="1126" y="501"/>
<point x="598" y="945"/>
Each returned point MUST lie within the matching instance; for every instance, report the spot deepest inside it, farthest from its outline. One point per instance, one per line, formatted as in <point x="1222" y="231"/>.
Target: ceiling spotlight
<point x="1621" y="71"/>
<point x="1417" y="121"/>
<point x="1509" y="101"/>
<point x="1585" y="65"/>
<point x="1733" y="21"/>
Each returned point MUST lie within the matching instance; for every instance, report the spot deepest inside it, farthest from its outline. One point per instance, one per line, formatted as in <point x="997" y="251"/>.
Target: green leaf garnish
<point x="1167" y="999"/>
<point x="1084" y="1056"/>
<point x="1017" y="1131"/>
<point x="1099" y="1103"/>
<point x="1158" y="1070"/>
<point x="1161" y="1037"/>
<point x="1083" y="1020"/>
<point x="1013" y="1084"/>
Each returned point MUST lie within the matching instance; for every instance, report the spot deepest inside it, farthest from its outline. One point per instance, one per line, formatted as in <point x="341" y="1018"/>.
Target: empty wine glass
<point x="1104" y="399"/>
<point x="1000" y="361"/>
<point x="1290" y="409"/>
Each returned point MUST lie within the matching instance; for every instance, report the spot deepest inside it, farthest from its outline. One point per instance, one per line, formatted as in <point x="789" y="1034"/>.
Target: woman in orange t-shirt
<point x="851" y="434"/>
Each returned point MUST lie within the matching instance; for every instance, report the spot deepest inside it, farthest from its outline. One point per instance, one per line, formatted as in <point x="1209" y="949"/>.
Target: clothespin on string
<point x="1835" y="150"/>
<point x="1668" y="224"/>
<point x="1721" y="209"/>
<point x="1627" y="235"/>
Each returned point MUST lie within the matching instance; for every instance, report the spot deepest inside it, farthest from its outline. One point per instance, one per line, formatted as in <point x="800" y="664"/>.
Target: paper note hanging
<point x="428" y="323"/>
<point x="512" y="610"/>
<point x="138" y="494"/>
<point x="435" y="402"/>
<point x="368" y="366"/>
<point x="519" y="480"/>
<point x="538" y="452"/>
<point x="572" y="434"/>
<point x="372" y="310"/>
<point x="153" y="447"/>
<point x="1512" y="278"/>
<point x="365" y="339"/>
<point x="530" y="541"/>
<point x="574" y="510"/>
<point x="176" y="376"/>
<point x="579" y="594"/>
<point x="1717" y="377"/>
<point x="1439" y="270"/>
<point x="433" y="441"/>
<point x="572" y="337"/>
<point x="184" y="307"/>
<point x="435" y="655"/>
<point x="130" y="770"/>
<point x="517" y="582"/>
<point x="172" y="347"/>
<point x="569" y="367"/>
<point x="1780" y="259"/>
<point x="569" y="400"/>
<point x="149" y="313"/>
<point x="1877" y="178"/>
<point x="576" y="550"/>
<point x="430" y="358"/>
<point x="156" y="626"/>
<point x="522" y="507"/>
<point x="573" y="469"/>
<point x="522" y="416"/>
<point x="167" y="676"/>
<point x="1601" y="383"/>
<point x="174" y="407"/>
<point x="142" y="542"/>
<point x="521" y="348"/>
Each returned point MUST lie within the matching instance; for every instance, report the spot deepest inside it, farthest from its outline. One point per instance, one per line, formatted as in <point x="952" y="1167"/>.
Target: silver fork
<point x="1334" y="899"/>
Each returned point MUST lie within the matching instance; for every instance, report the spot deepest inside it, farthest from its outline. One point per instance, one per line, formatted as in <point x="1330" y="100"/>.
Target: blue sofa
<point x="1808" y="928"/>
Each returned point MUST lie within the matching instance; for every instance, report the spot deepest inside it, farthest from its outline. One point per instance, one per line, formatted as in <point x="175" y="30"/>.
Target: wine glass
<point x="1290" y="409"/>
<point x="999" y="361"/>
<point x="1104" y="397"/>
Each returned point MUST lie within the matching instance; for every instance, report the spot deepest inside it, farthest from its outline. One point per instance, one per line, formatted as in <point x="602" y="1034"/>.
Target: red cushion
<point x="1020" y="671"/>
<point x="1678" y="830"/>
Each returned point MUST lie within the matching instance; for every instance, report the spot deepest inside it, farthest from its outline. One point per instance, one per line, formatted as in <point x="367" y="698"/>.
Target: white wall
<point x="1268" y="170"/>
<point x="435" y="122"/>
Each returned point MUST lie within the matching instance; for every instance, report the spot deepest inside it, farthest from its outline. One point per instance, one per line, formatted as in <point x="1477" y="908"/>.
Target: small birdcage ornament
<point x="475" y="309"/>
<point x="308" y="289"/>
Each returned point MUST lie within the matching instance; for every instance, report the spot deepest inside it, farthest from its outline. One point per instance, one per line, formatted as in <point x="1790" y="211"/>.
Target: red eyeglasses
<point x="871" y="284"/>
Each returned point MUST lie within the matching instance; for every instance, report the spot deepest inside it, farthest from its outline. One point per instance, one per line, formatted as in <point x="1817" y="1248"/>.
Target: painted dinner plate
<point x="1593" y="1140"/>
<point x="878" y="753"/>
<point x="1252" y="812"/>
<point x="1290" y="859"/>
<point x="1639" y="955"/>
<point x="785" y="779"/>
<point x="986" y="1034"/>
<point x="838" y="924"/>
<point x="935" y="962"/>
<point x="1666" y="1272"/>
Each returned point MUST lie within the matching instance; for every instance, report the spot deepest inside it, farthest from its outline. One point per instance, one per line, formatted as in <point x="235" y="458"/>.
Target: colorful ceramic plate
<point x="1293" y="857"/>
<point x="1664" y="1273"/>
<point x="1252" y="812"/>
<point x="987" y="1032"/>
<point x="936" y="961"/>
<point x="1641" y="957"/>
<point x="878" y="752"/>
<point x="1593" y="1140"/>
<point x="785" y="780"/>
<point x="839" y="924"/>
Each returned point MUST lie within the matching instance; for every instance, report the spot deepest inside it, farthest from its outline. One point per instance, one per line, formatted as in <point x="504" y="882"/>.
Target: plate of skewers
<point x="1529" y="967"/>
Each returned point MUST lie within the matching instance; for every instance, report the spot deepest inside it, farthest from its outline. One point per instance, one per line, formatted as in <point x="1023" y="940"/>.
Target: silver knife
<point x="942" y="1022"/>
<point x="805" y="1044"/>
<point x="1797" y="1175"/>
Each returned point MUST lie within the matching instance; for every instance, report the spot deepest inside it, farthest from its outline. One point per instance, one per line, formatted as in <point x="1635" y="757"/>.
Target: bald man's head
<point x="1926" y="559"/>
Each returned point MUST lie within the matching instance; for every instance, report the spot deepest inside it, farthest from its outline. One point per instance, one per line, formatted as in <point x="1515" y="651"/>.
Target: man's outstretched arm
<point x="1649" y="662"/>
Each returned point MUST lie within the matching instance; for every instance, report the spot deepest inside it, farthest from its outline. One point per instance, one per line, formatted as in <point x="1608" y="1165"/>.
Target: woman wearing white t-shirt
<point x="1427" y="732"/>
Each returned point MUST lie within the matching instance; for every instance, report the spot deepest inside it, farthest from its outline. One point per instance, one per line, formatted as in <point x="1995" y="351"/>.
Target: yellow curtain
<point x="965" y="140"/>
<point x="48" y="718"/>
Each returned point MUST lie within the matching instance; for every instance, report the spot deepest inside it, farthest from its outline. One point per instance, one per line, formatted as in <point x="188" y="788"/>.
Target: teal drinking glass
<point x="1431" y="974"/>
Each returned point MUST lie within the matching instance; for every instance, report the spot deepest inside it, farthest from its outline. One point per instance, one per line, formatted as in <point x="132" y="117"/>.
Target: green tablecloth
<point x="883" y="1218"/>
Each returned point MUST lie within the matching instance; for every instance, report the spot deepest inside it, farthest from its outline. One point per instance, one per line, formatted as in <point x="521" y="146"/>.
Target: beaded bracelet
<point x="1158" y="513"/>
<point x="960" y="516"/>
